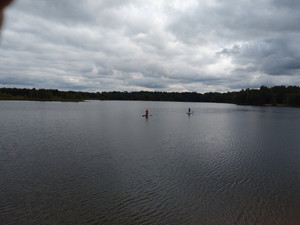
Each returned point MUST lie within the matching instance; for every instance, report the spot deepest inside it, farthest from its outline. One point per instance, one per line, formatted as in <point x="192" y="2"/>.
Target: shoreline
<point x="83" y="100"/>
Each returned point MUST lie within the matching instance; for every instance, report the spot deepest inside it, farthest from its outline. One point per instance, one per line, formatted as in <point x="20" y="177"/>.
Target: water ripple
<point x="84" y="164"/>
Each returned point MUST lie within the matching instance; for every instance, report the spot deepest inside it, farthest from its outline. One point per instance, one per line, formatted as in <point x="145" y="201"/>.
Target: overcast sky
<point x="157" y="45"/>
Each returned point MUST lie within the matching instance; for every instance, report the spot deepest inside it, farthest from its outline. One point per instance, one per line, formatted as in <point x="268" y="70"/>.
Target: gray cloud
<point x="279" y="56"/>
<point x="160" y="45"/>
<point x="235" y="21"/>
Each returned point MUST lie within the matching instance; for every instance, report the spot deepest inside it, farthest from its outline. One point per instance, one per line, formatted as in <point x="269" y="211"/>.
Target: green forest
<point x="264" y="96"/>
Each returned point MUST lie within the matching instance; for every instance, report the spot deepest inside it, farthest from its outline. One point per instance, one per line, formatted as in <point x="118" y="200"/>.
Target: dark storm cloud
<point x="157" y="45"/>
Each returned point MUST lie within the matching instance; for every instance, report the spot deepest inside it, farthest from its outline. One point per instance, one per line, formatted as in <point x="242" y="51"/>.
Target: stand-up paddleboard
<point x="189" y="113"/>
<point x="146" y="115"/>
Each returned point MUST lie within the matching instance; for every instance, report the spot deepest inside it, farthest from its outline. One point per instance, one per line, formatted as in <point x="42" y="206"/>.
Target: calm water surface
<point x="101" y="162"/>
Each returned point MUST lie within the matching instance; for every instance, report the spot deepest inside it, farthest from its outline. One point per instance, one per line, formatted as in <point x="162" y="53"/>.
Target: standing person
<point x="189" y="110"/>
<point x="147" y="112"/>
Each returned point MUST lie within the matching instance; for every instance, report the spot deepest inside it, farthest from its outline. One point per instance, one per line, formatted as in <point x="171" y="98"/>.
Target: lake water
<point x="101" y="162"/>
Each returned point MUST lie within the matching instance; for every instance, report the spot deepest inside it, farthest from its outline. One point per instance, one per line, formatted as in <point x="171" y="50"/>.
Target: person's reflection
<point x="3" y="4"/>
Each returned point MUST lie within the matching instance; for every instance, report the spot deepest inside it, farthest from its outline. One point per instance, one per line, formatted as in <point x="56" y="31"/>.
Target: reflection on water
<point x="103" y="163"/>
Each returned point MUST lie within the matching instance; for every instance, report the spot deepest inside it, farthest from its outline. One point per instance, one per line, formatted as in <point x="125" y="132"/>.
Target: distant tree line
<point x="40" y="94"/>
<point x="275" y="96"/>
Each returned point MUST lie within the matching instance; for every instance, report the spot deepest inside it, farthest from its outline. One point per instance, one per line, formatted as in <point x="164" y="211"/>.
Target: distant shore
<point x="80" y="100"/>
<point x="275" y="105"/>
<point x="20" y="98"/>
<point x="278" y="96"/>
